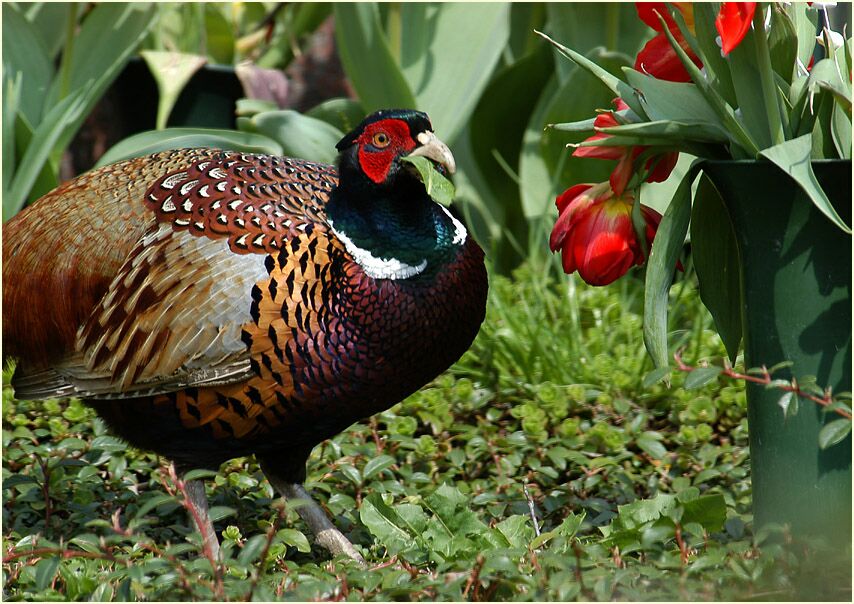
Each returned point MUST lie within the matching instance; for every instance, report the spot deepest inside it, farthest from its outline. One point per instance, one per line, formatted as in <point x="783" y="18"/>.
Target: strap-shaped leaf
<point x="715" y="256"/>
<point x="24" y="52"/>
<point x="299" y="135"/>
<point x="793" y="157"/>
<point x="102" y="47"/>
<point x="436" y="37"/>
<point x="153" y="141"/>
<point x="660" y="266"/>
<point x="367" y="58"/>
<point x="615" y="84"/>
<point x="44" y="139"/>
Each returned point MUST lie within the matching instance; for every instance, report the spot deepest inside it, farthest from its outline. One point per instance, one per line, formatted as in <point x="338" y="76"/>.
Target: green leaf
<point x="153" y="502"/>
<point x="748" y="91"/>
<point x="367" y="59"/>
<point x="709" y="511"/>
<point x="716" y="260"/>
<point x="656" y="375"/>
<point x="49" y="20"/>
<point x="793" y="157"/>
<point x="716" y="66"/>
<point x="44" y="139"/>
<point x="199" y="475"/>
<point x="734" y="126"/>
<point x="344" y="114"/>
<point x="102" y="47"/>
<point x="701" y="376"/>
<point x="671" y="101"/>
<point x="672" y="131"/>
<point x="25" y="53"/>
<point x="438" y="187"/>
<point x="385" y="524"/>
<point x="219" y="35"/>
<point x="661" y="265"/>
<point x="299" y="135"/>
<point x="615" y="84"/>
<point x="785" y="403"/>
<point x="545" y="167"/>
<point x="377" y="465"/>
<point x="252" y="549"/>
<point x="218" y="512"/>
<point x="171" y="71"/>
<point x="586" y="25"/>
<point x="11" y="103"/>
<point x="517" y="530"/>
<point x="805" y="20"/>
<point x="509" y="100"/>
<point x="153" y="141"/>
<point x="296" y="539"/>
<point x="834" y="432"/>
<point x="783" y="43"/>
<point x="586" y="126"/>
<point x="46" y="571"/>
<point x="111" y="444"/>
<point x="250" y="107"/>
<point x="444" y="86"/>
<point x="650" y="442"/>
<point x="644" y="511"/>
<point x="840" y="131"/>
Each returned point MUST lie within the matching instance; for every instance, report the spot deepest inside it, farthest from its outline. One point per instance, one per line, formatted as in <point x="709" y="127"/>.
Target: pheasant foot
<point x="313" y="515"/>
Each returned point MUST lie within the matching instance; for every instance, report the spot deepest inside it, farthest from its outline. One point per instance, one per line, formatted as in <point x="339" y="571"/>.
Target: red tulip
<point x="732" y="23"/>
<point x="595" y="235"/>
<point x="661" y="165"/>
<point x="657" y="57"/>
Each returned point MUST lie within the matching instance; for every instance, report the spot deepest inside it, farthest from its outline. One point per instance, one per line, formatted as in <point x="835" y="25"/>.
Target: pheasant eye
<point x="380" y="140"/>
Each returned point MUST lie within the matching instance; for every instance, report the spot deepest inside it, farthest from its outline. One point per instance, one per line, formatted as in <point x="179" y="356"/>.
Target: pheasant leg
<point x="201" y="518"/>
<point x="313" y="515"/>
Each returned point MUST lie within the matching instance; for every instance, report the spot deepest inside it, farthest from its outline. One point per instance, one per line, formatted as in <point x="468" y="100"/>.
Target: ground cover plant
<point x="639" y="491"/>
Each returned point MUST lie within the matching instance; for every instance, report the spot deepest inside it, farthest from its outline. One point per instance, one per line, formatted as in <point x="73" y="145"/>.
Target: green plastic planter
<point x="796" y="296"/>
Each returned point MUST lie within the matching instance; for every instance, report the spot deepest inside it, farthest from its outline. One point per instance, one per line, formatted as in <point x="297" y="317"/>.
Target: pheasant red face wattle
<point x="380" y="144"/>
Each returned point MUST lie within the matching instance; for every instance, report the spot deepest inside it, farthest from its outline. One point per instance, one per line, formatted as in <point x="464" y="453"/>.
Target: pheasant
<point x="211" y="304"/>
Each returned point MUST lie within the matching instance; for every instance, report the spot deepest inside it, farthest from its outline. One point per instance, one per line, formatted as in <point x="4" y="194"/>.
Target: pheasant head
<point x="380" y="209"/>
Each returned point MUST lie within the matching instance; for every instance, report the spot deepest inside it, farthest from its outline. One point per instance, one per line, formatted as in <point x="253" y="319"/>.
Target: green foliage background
<point x="640" y="490"/>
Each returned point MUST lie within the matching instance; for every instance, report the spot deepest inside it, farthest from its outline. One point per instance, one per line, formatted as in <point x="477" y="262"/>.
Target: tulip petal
<point x="658" y="59"/>
<point x="647" y="10"/>
<point x="600" y="151"/>
<point x="601" y="242"/>
<point x="732" y="23"/>
<point x="565" y="198"/>
<point x="605" y="119"/>
<point x="662" y="165"/>
<point x="622" y="173"/>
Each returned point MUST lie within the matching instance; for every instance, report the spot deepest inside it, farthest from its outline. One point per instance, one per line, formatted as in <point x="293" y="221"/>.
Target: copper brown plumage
<point x="216" y="304"/>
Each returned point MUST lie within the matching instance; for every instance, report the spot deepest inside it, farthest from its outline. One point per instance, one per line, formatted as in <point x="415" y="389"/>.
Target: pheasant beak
<point x="432" y="148"/>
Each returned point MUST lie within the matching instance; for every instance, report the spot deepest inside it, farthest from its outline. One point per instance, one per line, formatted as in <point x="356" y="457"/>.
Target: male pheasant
<point x="212" y="304"/>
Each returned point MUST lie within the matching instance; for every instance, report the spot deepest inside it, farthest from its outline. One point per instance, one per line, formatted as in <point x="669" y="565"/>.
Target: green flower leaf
<point x="793" y="157"/>
<point x="661" y="265"/>
<point x="715" y="256"/>
<point x="438" y="187"/>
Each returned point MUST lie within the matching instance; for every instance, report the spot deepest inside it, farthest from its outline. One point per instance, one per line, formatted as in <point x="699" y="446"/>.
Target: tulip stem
<point x="766" y="77"/>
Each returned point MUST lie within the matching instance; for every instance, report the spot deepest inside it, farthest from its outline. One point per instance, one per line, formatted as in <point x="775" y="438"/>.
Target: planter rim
<point x="745" y="162"/>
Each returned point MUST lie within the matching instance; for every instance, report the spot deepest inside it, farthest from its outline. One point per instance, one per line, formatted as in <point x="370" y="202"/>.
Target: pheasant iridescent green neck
<point x="396" y="239"/>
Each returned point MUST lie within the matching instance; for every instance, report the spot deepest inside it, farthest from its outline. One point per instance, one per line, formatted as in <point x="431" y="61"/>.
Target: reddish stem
<point x="764" y="380"/>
